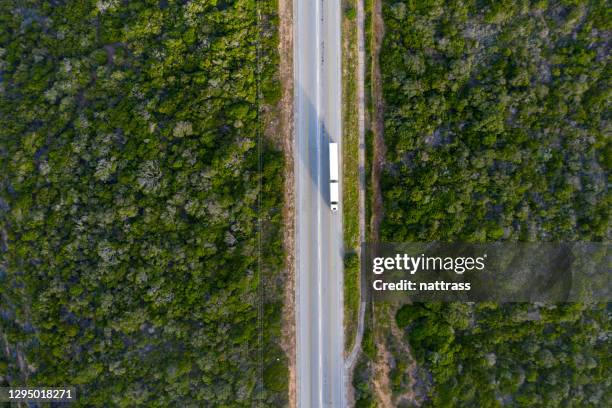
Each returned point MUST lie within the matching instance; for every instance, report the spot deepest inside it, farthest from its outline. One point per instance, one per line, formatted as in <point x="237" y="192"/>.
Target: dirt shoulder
<point x="384" y="359"/>
<point x="379" y="149"/>
<point x="285" y="10"/>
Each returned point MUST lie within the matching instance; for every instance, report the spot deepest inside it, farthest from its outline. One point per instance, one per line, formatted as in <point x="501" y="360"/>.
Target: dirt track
<point x="285" y="9"/>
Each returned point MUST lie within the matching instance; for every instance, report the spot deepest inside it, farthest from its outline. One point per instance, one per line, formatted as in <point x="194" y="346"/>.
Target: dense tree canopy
<point x="134" y="232"/>
<point x="518" y="355"/>
<point x="496" y="121"/>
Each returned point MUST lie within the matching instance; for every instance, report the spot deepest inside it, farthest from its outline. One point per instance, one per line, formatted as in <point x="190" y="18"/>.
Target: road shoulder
<point x="285" y="9"/>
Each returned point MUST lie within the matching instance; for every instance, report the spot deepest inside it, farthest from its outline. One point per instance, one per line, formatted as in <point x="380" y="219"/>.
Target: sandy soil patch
<point x="286" y="131"/>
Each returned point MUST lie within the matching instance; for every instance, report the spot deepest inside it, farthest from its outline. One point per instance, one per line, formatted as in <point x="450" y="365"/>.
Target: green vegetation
<point x="350" y="172"/>
<point x="139" y="258"/>
<point x="518" y="355"/>
<point x="495" y="121"/>
<point x="350" y="138"/>
<point x="352" y="290"/>
<point x="363" y="374"/>
<point x="496" y="126"/>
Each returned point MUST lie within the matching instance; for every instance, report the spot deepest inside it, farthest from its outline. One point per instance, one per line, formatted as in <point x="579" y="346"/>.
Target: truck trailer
<point x="334" y="193"/>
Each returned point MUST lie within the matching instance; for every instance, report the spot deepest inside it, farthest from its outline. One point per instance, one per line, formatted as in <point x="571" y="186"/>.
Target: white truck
<point x="334" y="193"/>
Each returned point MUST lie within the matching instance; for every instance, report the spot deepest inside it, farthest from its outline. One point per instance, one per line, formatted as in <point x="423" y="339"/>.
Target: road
<point x="319" y="238"/>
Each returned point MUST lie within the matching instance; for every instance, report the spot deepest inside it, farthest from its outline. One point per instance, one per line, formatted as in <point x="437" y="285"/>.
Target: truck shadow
<point x="311" y="145"/>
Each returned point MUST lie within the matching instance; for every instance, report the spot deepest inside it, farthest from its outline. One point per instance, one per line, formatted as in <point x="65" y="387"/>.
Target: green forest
<point x="497" y="128"/>
<point x="496" y="121"/>
<point x="518" y="355"/>
<point x="140" y="253"/>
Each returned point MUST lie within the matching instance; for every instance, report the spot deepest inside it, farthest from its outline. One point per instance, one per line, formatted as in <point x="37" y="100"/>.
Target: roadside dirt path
<point x="384" y="358"/>
<point x="285" y="10"/>
<point x="388" y="337"/>
<point x="377" y="121"/>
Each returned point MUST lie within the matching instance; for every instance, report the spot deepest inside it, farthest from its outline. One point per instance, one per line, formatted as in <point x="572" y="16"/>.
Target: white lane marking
<point x="318" y="140"/>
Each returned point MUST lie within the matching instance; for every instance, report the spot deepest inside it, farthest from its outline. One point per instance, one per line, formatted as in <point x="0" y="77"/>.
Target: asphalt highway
<point x="319" y="238"/>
